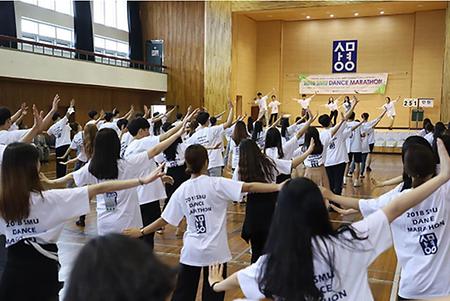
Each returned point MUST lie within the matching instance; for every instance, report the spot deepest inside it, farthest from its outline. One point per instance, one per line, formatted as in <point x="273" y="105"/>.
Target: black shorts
<point x="371" y="145"/>
<point x="357" y="156"/>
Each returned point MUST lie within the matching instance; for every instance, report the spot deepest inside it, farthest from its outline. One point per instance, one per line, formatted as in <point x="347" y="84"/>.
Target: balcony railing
<point x="76" y="54"/>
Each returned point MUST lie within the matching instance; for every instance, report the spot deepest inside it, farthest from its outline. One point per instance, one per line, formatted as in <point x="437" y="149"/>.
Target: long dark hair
<point x="300" y="222"/>
<point x="239" y="132"/>
<point x="419" y="163"/>
<point x="19" y="177"/>
<point x="257" y="129"/>
<point x="410" y="142"/>
<point x="104" y="260"/>
<point x="273" y="139"/>
<point x="255" y="166"/>
<point x="250" y="124"/>
<point x="106" y="153"/>
<point x="170" y="153"/>
<point x="157" y="128"/>
<point x="284" y="127"/>
<point x="313" y="133"/>
<point x="196" y="157"/>
<point x="89" y="133"/>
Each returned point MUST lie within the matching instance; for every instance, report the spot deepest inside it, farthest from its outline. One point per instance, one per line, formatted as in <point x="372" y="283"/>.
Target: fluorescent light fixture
<point x="331" y="16"/>
<point x="308" y="17"/>
<point x="382" y="12"/>
<point x="356" y="14"/>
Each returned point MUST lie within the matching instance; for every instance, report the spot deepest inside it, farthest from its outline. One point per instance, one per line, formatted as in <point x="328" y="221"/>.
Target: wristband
<point x="140" y="181"/>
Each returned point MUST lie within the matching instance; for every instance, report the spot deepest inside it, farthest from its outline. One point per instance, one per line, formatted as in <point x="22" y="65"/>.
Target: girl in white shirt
<point x="32" y="220"/>
<point x="203" y="200"/>
<point x="389" y="106"/>
<point x="307" y="259"/>
<point x="420" y="234"/>
<point x="255" y="166"/>
<point x="239" y="134"/>
<point x="333" y="107"/>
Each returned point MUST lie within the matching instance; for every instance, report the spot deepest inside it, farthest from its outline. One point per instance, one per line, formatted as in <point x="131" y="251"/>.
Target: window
<point x="62" y="6"/>
<point x="46" y="33"/>
<point x="111" y="46"/>
<point x="111" y="13"/>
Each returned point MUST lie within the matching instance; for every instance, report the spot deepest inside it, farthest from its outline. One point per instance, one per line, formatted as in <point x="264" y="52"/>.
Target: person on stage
<point x="261" y="101"/>
<point x="304" y="103"/>
<point x="273" y="104"/>
<point x="389" y="106"/>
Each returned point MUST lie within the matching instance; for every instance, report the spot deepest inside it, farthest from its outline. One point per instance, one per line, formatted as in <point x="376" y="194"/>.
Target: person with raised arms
<point x="32" y="219"/>
<point x="304" y="103"/>
<point x="261" y="101"/>
<point x="307" y="259"/>
<point x="203" y="200"/>
<point x="421" y="234"/>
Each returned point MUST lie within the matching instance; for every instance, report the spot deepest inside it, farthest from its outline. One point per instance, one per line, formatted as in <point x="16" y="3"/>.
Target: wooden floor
<point x="381" y="272"/>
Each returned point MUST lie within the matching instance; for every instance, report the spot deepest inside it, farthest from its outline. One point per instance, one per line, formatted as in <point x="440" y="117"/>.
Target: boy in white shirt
<point x="273" y="104"/>
<point x="211" y="136"/>
<point x="304" y="102"/>
<point x="261" y="101"/>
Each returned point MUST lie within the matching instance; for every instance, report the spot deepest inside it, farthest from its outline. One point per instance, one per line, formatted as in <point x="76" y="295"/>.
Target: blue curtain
<point x="82" y="23"/>
<point x="135" y="31"/>
<point x="8" y="22"/>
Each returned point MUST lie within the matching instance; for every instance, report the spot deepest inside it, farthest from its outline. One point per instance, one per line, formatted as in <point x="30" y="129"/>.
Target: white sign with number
<point x="410" y="102"/>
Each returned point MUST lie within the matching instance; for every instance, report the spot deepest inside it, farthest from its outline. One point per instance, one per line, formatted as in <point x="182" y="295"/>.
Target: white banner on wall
<point x="343" y="83"/>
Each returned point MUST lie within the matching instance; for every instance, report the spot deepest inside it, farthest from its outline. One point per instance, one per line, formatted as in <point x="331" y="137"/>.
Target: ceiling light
<point x="382" y="12"/>
<point x="331" y="16"/>
<point x="308" y="17"/>
<point x="356" y="14"/>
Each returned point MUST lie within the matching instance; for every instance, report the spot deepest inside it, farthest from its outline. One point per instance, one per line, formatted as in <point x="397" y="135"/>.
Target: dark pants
<point x="187" y="284"/>
<point x="257" y="244"/>
<point x="273" y="118"/>
<point x="336" y="177"/>
<point x="61" y="169"/>
<point x="333" y="116"/>
<point x="29" y="275"/>
<point x="150" y="212"/>
<point x="2" y="255"/>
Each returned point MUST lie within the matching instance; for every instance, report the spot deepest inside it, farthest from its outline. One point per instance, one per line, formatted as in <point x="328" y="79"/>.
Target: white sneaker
<point x="345" y="181"/>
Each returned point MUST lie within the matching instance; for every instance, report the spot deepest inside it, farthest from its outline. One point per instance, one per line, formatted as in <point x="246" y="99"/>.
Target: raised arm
<point x="347" y="202"/>
<point x="219" y="115"/>
<point x="71" y="108"/>
<point x="275" y="123"/>
<point x="261" y="187"/>
<point x="227" y="124"/>
<point x="413" y="197"/>
<point x="47" y="121"/>
<point x="36" y="129"/>
<point x="164" y="144"/>
<point x="20" y="113"/>
<point x="299" y="160"/>
<point x="303" y="130"/>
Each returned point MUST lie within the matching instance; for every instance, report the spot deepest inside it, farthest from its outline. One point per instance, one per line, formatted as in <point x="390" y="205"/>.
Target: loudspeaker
<point x="155" y="54"/>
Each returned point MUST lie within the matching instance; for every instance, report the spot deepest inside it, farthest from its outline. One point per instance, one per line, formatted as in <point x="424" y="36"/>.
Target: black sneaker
<point x="368" y="168"/>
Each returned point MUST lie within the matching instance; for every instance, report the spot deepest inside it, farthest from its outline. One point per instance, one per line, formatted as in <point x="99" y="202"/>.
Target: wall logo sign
<point x="345" y="56"/>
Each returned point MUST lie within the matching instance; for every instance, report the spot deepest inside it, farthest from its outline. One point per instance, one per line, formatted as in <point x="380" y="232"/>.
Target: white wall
<point x="17" y="64"/>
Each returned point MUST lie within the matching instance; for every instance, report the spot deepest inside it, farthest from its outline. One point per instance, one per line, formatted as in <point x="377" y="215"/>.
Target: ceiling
<point x="374" y="8"/>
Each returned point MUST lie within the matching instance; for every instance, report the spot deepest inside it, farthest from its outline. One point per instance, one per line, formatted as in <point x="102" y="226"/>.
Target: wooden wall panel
<point x="268" y="57"/>
<point x="181" y="26"/>
<point x="428" y="61"/>
<point x="445" y="105"/>
<point x="217" y="55"/>
<point x="384" y="45"/>
<point x="13" y="92"/>
<point x="243" y="75"/>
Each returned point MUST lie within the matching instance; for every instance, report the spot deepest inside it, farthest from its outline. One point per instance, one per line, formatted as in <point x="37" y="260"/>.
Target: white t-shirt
<point x="390" y="108"/>
<point x="77" y="144"/>
<point x="274" y="106"/>
<point x="8" y="137"/>
<point x="351" y="260"/>
<point x="262" y="103"/>
<point x="110" y="125"/>
<point x="179" y="157"/>
<point x="282" y="167"/>
<point x="304" y="103"/>
<point x="119" y="210"/>
<point x="336" y="151"/>
<point x="234" y="150"/>
<point x="429" y="137"/>
<point x="355" y="138"/>
<point x="422" y="243"/>
<point x="92" y="121"/>
<point x="154" y="191"/>
<point x="2" y="150"/>
<point x="347" y="106"/>
<point x="422" y="133"/>
<point x="203" y="201"/>
<point x="368" y="128"/>
<point x="48" y="213"/>
<point x="288" y="150"/>
<point x="209" y="137"/>
<point x="365" y="140"/>
<point x="61" y="131"/>
<point x="124" y="142"/>
<point x="332" y="106"/>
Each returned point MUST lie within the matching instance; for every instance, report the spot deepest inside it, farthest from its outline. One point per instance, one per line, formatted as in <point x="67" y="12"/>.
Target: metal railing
<point x="76" y="54"/>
